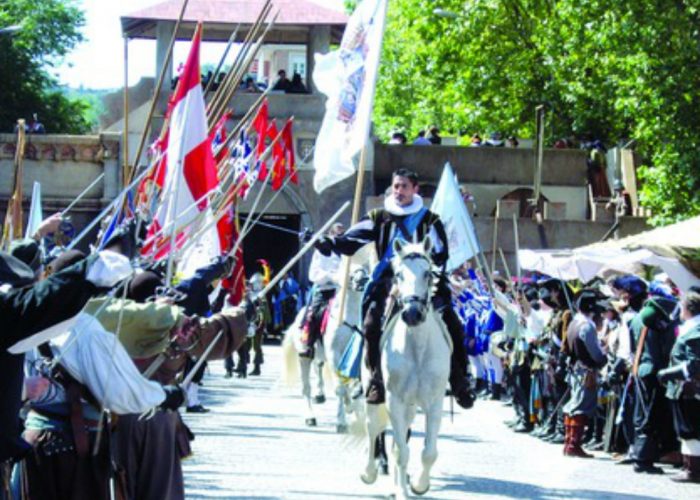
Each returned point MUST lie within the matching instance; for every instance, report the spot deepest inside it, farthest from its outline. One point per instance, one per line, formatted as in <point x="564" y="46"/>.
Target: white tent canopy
<point x="586" y="263"/>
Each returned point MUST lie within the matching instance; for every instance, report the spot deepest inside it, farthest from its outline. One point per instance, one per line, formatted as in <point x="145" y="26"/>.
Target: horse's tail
<point x="290" y="372"/>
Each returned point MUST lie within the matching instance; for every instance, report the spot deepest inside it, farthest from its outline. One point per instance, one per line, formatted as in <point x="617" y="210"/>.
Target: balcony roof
<point x="220" y="17"/>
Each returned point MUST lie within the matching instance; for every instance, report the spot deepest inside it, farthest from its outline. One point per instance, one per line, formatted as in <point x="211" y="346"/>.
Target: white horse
<point x="338" y="335"/>
<point x="292" y="346"/>
<point x="416" y="350"/>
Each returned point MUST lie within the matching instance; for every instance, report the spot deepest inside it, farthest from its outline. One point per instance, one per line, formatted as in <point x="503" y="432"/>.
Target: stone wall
<point x="64" y="165"/>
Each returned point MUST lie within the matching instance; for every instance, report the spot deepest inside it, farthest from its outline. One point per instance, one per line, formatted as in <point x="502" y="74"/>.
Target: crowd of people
<point x="96" y="359"/>
<point x="613" y="366"/>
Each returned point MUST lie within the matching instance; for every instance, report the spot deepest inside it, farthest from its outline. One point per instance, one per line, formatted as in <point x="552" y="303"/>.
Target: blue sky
<point x="98" y="62"/>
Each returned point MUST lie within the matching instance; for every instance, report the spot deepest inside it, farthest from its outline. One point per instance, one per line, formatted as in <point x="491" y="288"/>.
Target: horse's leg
<point x="341" y="425"/>
<point x="433" y="417"/>
<point x="305" y="368"/>
<point x="374" y="427"/>
<point x="320" y="396"/>
<point x="398" y="412"/>
<point x="381" y="455"/>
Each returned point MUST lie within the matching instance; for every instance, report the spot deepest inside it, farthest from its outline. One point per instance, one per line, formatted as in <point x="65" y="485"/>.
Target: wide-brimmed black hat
<point x="14" y="272"/>
<point x="27" y="250"/>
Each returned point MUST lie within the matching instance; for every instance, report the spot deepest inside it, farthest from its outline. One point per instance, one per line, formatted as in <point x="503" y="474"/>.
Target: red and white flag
<point x="190" y="168"/>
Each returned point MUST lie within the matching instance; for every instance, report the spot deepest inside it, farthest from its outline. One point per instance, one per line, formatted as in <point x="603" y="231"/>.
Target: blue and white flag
<point x="448" y="203"/>
<point x="348" y="77"/>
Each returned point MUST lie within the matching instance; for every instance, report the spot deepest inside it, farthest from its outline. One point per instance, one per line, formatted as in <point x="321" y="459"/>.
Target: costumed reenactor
<point x="403" y="216"/>
<point x="586" y="357"/>
<point x="258" y="312"/>
<point x="29" y="311"/>
<point x="682" y="379"/>
<point x="632" y="292"/>
<point x="287" y="301"/>
<point x="548" y="363"/>
<point x="322" y="273"/>
<point x="196" y="291"/>
<point x="149" y="452"/>
<point x="653" y="332"/>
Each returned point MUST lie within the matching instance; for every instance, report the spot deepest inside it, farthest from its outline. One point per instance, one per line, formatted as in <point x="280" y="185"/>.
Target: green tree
<point x="49" y="30"/>
<point x="614" y="70"/>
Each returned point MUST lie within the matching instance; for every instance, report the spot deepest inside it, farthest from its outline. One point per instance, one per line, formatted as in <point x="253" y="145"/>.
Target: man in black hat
<point x="586" y="357"/>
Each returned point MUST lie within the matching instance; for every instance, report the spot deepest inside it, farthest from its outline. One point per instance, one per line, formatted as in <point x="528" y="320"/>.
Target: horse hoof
<point x="419" y="492"/>
<point x="369" y="478"/>
<point x="320" y="399"/>
<point x="341" y="429"/>
<point x="310" y="422"/>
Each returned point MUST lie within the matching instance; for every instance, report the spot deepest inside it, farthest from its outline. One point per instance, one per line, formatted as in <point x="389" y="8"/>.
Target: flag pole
<point x="303" y="251"/>
<point x="126" y="174"/>
<point x="357" y="202"/>
<point x="494" y="248"/>
<point x="159" y="85"/>
<point x="215" y="74"/>
<point x="505" y="265"/>
<point x="13" y="218"/>
<point x="516" y="238"/>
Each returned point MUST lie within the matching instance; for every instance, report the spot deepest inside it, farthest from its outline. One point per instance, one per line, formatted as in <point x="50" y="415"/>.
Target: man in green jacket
<point x="682" y="379"/>
<point x="653" y="333"/>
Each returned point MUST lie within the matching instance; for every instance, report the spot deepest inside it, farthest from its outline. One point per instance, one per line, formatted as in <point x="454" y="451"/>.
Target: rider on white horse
<point x="403" y="215"/>
<point x="322" y="273"/>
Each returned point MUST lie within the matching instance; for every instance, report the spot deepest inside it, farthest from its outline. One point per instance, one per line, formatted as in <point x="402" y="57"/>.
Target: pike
<point x="219" y="100"/>
<point x="82" y="194"/>
<point x="303" y="251"/>
<point x="236" y="62"/>
<point x="106" y="210"/>
<point x="219" y="110"/>
<point x="159" y="85"/>
<point x="221" y="61"/>
<point x="188" y="378"/>
<point x="221" y="209"/>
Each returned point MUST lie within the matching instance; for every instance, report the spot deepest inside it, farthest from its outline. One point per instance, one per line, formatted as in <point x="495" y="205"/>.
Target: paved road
<point x="254" y="444"/>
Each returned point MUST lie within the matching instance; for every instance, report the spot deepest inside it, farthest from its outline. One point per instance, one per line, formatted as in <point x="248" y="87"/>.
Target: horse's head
<point x="359" y="278"/>
<point x="413" y="272"/>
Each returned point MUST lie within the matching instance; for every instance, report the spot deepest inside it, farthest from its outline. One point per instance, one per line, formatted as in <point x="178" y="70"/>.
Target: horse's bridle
<point x="422" y="301"/>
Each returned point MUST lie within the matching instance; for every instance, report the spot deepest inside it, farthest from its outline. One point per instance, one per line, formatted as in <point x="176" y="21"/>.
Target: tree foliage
<point x="617" y="71"/>
<point x="50" y="29"/>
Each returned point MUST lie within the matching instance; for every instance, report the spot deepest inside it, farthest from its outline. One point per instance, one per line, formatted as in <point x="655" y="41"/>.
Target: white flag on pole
<point x="348" y="77"/>
<point x="35" y="211"/>
<point x="449" y="205"/>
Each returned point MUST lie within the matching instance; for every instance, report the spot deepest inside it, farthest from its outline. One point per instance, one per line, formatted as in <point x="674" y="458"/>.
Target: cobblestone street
<point x="254" y="444"/>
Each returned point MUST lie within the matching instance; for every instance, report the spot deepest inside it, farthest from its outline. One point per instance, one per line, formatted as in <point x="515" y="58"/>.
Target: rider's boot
<point x="372" y="327"/>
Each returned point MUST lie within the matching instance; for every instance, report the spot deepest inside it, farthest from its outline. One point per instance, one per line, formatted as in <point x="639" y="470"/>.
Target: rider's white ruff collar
<point x="393" y="208"/>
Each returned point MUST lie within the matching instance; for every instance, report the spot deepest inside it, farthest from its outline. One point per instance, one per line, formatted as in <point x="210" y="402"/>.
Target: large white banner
<point x="348" y="77"/>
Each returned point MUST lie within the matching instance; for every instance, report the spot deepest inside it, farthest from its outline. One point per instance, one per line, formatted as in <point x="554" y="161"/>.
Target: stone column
<point x="319" y="41"/>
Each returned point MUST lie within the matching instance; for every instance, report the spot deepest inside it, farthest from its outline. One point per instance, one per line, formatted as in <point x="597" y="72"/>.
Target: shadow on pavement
<point x="467" y="484"/>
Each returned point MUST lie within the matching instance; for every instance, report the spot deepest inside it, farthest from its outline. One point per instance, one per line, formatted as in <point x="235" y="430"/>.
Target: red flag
<point x="288" y="141"/>
<point x="235" y="283"/>
<point x="260" y="125"/>
<point x="278" y="157"/>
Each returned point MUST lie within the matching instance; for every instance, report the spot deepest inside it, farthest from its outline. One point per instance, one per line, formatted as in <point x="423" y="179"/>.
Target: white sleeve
<point x="98" y="360"/>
